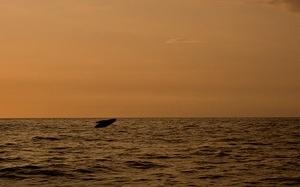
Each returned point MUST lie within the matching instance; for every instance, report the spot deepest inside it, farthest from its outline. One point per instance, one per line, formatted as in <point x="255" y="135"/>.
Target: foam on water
<point x="150" y="152"/>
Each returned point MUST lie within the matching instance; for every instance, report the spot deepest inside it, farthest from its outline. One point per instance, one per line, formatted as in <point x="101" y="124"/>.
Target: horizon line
<point x="149" y="117"/>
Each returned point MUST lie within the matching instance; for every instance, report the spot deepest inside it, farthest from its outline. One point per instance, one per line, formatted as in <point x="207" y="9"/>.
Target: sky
<point x="149" y="58"/>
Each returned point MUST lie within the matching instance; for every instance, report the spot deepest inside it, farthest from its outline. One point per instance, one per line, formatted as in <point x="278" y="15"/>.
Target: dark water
<point x="150" y="152"/>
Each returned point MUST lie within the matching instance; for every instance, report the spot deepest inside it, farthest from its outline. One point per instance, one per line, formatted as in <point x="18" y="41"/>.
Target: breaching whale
<point x="105" y="123"/>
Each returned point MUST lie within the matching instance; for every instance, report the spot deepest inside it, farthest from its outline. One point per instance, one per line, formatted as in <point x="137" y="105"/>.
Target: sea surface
<point x="150" y="152"/>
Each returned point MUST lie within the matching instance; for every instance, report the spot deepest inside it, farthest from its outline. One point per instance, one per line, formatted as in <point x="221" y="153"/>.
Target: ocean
<point x="150" y="152"/>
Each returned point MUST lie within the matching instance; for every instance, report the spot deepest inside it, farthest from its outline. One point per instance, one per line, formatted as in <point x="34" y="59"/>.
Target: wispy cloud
<point x="181" y="41"/>
<point x="293" y="4"/>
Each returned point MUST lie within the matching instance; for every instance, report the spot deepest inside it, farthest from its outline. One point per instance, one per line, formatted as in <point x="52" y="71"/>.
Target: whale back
<point x="105" y="123"/>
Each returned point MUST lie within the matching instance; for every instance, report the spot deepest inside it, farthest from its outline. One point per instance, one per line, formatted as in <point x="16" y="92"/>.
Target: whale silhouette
<point x="105" y="123"/>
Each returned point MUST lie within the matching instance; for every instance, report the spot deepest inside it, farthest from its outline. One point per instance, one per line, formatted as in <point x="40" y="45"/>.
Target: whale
<point x="105" y="123"/>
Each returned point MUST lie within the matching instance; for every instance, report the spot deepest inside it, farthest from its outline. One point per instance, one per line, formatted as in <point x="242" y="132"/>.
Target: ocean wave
<point x="150" y="152"/>
<point x="143" y="164"/>
<point x="29" y="170"/>
<point x="45" y="138"/>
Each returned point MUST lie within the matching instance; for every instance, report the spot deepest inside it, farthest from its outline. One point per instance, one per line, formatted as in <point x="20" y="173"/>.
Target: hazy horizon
<point x="149" y="58"/>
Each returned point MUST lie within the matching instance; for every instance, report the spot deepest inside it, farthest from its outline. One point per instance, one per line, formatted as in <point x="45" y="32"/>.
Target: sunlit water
<point x="150" y="152"/>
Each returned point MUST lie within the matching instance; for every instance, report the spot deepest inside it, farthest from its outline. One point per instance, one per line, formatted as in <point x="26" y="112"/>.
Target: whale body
<point x="105" y="123"/>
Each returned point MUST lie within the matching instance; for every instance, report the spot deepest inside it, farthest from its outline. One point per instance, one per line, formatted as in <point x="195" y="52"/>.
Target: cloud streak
<point x="181" y="41"/>
<point x="294" y="5"/>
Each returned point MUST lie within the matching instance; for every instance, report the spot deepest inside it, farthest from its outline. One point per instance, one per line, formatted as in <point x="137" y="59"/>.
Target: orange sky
<point x="143" y="58"/>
